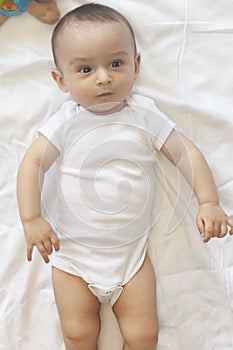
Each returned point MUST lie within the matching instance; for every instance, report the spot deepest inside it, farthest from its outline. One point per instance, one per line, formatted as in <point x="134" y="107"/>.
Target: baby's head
<point x="96" y="57"/>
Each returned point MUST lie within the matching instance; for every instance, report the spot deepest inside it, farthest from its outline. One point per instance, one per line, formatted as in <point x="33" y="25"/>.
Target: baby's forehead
<point x="81" y="34"/>
<point x="74" y="28"/>
<point x="82" y="26"/>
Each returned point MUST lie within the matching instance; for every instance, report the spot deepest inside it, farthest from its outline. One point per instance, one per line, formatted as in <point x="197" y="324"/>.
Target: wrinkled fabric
<point x="187" y="69"/>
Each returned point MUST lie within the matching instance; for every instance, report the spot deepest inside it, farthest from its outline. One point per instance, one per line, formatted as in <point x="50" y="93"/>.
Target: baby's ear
<point x="137" y="64"/>
<point x="58" y="78"/>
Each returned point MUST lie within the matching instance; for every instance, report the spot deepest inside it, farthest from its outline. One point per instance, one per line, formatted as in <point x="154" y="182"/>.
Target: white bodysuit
<point x="105" y="190"/>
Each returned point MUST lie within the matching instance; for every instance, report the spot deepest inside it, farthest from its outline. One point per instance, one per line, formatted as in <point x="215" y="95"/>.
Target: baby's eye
<point x="85" y="70"/>
<point x="116" y="64"/>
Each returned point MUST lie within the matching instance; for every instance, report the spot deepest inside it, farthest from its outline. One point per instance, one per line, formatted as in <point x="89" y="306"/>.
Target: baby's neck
<point x="113" y="108"/>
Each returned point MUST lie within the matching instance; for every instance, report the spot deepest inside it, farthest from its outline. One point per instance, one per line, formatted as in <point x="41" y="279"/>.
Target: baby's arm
<point x="38" y="232"/>
<point x="211" y="219"/>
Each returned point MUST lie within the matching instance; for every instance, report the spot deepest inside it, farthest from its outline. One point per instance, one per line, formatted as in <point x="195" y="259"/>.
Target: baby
<point x="105" y="136"/>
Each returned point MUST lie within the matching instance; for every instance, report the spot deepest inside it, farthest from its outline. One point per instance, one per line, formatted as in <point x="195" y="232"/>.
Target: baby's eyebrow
<point x="79" y="60"/>
<point x="120" y="53"/>
<point x="86" y="60"/>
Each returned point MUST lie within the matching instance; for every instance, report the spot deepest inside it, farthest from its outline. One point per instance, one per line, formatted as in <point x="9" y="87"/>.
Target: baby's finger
<point x="55" y="242"/>
<point x="29" y="251"/>
<point x="200" y="226"/>
<point x="224" y="230"/>
<point x="209" y="231"/>
<point x="230" y="223"/>
<point x="48" y="246"/>
<point x="43" y="252"/>
<point x="216" y="229"/>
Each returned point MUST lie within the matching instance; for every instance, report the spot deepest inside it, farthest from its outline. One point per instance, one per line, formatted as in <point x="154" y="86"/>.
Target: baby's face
<point x="97" y="64"/>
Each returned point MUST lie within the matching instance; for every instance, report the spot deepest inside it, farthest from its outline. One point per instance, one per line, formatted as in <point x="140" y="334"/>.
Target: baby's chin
<point x="106" y="108"/>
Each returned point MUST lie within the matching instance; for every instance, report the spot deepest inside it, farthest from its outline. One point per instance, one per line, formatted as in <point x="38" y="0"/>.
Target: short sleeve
<point x="155" y="122"/>
<point x="54" y="126"/>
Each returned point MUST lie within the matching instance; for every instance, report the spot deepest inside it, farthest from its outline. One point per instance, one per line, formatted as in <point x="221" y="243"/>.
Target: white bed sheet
<point x="187" y="50"/>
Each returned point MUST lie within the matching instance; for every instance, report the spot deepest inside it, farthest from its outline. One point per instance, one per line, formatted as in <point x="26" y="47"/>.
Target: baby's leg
<point x="78" y="309"/>
<point x="136" y="310"/>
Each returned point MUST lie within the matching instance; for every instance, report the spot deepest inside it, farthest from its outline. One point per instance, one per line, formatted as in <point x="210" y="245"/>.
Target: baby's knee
<point x="147" y="337"/>
<point x="77" y="336"/>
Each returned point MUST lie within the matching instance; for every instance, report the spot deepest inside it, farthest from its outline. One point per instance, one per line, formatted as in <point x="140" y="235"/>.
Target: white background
<point x="187" y="50"/>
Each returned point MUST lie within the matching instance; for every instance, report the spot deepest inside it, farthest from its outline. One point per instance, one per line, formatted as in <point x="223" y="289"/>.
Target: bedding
<point x="187" y="52"/>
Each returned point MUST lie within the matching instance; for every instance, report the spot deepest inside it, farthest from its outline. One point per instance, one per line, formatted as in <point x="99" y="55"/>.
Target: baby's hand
<point x="39" y="233"/>
<point x="212" y="221"/>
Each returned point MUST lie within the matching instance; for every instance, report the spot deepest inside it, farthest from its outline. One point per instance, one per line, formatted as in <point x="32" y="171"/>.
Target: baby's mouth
<point x="106" y="93"/>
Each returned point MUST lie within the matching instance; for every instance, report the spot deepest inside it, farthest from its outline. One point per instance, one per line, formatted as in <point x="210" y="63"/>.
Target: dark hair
<point x="91" y="12"/>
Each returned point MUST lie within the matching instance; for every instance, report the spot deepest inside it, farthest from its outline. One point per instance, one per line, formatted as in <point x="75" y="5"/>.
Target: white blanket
<point x="187" y="69"/>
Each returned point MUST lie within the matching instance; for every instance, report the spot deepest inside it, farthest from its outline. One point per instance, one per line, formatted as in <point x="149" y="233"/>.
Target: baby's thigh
<point x="136" y="307"/>
<point x="78" y="308"/>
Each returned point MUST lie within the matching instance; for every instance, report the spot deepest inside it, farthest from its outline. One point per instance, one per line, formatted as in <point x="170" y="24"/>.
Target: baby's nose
<point x="103" y="77"/>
